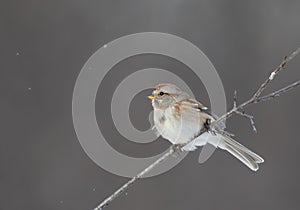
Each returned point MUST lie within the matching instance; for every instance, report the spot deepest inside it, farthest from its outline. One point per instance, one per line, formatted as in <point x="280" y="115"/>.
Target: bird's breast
<point x="174" y="129"/>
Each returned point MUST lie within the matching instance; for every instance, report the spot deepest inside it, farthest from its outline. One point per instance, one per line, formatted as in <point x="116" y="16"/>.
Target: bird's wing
<point x="192" y="109"/>
<point x="193" y="103"/>
<point x="197" y="105"/>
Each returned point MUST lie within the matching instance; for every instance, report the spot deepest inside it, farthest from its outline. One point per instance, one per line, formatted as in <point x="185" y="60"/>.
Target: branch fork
<point x="242" y="113"/>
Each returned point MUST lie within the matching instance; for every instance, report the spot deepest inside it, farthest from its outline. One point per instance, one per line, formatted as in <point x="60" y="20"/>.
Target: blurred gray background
<point x="44" y="45"/>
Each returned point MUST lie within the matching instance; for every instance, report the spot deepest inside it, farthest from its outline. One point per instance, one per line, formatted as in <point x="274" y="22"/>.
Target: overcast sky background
<point x="44" y="45"/>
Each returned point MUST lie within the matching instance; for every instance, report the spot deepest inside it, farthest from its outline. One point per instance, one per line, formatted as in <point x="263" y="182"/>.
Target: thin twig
<point x="236" y="109"/>
<point x="278" y="92"/>
<point x="234" y="99"/>
<point x="243" y="114"/>
<point x="256" y="97"/>
<point x="172" y="149"/>
<point x="250" y="117"/>
<point x="275" y="72"/>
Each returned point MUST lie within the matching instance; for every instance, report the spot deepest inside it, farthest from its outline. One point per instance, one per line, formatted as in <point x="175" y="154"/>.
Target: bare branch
<point x="236" y="109"/>
<point x="278" y="92"/>
<point x="255" y="98"/>
<point x="250" y="117"/>
<point x="234" y="99"/>
<point x="275" y="72"/>
<point x="105" y="203"/>
<point x="243" y="114"/>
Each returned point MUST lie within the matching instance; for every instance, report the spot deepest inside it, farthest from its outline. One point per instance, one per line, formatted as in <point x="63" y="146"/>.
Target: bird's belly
<point x="175" y="131"/>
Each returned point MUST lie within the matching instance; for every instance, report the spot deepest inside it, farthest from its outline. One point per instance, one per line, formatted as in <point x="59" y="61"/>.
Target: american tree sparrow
<point x="180" y="119"/>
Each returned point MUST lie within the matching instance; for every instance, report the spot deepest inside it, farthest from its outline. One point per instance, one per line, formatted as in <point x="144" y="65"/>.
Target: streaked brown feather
<point x="193" y="106"/>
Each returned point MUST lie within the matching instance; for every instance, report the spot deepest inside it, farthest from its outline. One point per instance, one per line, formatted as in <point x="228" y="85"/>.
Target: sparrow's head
<point x="165" y="95"/>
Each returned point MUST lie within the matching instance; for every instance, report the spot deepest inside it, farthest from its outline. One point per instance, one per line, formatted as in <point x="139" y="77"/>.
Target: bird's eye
<point x="161" y="93"/>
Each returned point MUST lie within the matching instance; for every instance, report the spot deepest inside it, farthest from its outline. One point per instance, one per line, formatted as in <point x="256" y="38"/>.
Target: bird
<point x="181" y="119"/>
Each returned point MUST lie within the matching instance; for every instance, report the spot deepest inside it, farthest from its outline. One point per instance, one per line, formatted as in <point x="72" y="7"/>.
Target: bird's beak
<point x="151" y="97"/>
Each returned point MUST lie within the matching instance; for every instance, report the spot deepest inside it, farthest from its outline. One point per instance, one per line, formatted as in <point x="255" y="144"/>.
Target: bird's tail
<point x="239" y="151"/>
